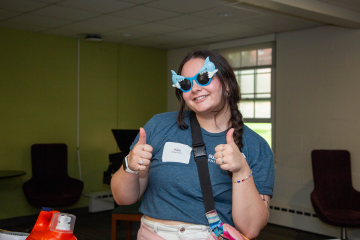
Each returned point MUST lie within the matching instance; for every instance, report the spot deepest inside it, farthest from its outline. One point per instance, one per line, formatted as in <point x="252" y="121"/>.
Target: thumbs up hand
<point x="228" y="155"/>
<point x="139" y="157"/>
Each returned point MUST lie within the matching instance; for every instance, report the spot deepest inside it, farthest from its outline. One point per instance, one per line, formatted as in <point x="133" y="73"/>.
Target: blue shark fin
<point x="207" y="60"/>
<point x="175" y="79"/>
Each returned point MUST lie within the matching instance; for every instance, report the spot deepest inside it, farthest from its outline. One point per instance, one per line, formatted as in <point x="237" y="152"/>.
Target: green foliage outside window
<point x="263" y="129"/>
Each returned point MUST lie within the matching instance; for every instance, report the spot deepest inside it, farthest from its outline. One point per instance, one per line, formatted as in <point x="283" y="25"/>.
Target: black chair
<point x="334" y="199"/>
<point x="50" y="185"/>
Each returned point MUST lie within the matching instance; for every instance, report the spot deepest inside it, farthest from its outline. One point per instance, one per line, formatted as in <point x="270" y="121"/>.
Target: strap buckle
<point x="199" y="150"/>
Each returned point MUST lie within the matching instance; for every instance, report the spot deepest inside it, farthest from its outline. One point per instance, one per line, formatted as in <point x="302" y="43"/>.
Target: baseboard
<point x="101" y="201"/>
<point x="305" y="220"/>
<point x="301" y="221"/>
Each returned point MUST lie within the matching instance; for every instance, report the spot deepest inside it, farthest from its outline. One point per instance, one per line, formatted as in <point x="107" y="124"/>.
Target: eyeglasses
<point x="202" y="78"/>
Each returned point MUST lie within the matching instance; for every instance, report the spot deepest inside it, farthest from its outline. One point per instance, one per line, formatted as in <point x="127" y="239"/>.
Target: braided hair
<point x="232" y="97"/>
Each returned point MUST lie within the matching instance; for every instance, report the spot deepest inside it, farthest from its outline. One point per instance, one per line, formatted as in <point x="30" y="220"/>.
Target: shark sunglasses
<point x="202" y="78"/>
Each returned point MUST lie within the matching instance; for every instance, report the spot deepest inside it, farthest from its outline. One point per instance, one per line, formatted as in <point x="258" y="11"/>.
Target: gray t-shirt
<point x="174" y="191"/>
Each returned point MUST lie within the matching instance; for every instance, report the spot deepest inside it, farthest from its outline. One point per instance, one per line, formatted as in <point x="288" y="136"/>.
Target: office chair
<point x="334" y="199"/>
<point x="50" y="185"/>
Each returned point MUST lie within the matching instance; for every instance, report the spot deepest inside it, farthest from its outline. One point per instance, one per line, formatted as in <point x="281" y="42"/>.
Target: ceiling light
<point x="225" y="14"/>
<point x="93" y="38"/>
<point x="127" y="34"/>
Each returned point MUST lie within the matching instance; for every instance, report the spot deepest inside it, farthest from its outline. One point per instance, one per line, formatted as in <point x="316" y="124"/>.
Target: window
<point x="254" y="69"/>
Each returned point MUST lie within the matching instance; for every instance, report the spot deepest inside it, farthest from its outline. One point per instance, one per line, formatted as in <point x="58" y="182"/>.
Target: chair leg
<point x="113" y="228"/>
<point x="128" y="230"/>
<point x="344" y="233"/>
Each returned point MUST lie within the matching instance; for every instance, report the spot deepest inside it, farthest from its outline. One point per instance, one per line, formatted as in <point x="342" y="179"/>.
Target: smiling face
<point x="202" y="100"/>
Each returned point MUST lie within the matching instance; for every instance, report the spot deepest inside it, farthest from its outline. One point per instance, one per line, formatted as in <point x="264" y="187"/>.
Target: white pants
<point x="177" y="232"/>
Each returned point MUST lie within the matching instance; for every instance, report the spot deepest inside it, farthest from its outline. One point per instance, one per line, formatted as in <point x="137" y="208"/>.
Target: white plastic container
<point x="7" y="235"/>
<point x="63" y="222"/>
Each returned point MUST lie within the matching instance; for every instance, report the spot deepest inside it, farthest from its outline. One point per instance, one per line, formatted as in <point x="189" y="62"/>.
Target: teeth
<point x="200" y="98"/>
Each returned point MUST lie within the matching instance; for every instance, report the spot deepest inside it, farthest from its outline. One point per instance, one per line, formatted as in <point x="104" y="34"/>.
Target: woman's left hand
<point x="228" y="155"/>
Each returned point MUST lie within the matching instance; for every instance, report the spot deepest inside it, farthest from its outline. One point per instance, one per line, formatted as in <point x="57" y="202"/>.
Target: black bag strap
<point x="201" y="160"/>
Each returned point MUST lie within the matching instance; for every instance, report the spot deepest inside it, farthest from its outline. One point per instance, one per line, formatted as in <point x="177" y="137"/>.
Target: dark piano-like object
<point x="124" y="139"/>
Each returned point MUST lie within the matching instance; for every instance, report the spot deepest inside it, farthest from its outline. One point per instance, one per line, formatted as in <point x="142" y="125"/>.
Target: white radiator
<point x="306" y="220"/>
<point x="101" y="201"/>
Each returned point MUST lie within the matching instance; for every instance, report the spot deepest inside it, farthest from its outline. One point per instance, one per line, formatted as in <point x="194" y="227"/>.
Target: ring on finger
<point x="222" y="160"/>
<point x="141" y="162"/>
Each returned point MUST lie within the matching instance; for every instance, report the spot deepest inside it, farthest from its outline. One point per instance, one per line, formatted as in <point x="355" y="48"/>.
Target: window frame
<point x="272" y="99"/>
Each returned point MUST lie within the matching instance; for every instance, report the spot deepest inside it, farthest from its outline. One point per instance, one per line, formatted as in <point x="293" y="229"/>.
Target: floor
<point x="97" y="226"/>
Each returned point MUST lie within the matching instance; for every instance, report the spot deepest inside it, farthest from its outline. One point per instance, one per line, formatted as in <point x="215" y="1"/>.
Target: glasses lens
<point x="185" y="84"/>
<point x="203" y="78"/>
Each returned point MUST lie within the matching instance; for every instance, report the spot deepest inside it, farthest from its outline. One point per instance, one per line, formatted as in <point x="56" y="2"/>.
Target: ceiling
<point x="170" y="24"/>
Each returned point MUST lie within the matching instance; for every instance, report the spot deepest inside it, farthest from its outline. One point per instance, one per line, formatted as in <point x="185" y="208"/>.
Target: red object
<point x="41" y="230"/>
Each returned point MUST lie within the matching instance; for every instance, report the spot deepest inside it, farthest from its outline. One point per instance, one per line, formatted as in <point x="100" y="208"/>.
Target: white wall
<point x="317" y="107"/>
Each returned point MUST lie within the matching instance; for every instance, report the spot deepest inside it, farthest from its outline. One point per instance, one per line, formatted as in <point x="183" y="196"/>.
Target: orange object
<point x="53" y="225"/>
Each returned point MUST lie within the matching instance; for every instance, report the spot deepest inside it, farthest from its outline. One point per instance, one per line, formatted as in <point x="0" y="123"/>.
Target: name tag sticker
<point x="176" y="152"/>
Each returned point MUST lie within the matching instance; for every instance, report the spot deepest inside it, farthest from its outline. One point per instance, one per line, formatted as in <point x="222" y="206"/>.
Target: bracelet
<point x="243" y="179"/>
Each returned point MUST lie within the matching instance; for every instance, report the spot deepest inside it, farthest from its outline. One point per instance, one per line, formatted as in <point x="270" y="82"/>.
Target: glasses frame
<point x="195" y="78"/>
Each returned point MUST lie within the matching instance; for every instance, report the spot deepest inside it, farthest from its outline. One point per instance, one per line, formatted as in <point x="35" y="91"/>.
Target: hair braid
<point x="237" y="123"/>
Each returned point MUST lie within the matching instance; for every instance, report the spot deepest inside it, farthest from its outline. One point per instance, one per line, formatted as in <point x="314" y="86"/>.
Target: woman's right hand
<point x="139" y="157"/>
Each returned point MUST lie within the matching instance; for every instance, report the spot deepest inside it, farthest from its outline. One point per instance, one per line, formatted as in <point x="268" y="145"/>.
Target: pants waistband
<point x="174" y="228"/>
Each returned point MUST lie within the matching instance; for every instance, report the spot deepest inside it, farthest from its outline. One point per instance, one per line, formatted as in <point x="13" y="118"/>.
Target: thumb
<point x="229" y="136"/>
<point x="142" y="137"/>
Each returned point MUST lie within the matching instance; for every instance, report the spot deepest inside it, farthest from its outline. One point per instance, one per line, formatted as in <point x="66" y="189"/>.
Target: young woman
<point x="161" y="164"/>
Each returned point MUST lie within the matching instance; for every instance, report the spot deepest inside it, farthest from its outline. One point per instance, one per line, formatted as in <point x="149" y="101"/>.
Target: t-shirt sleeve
<point x="263" y="173"/>
<point x="149" y="129"/>
<point x="261" y="161"/>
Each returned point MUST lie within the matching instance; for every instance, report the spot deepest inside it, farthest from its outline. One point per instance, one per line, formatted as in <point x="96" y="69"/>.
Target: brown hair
<point x="227" y="78"/>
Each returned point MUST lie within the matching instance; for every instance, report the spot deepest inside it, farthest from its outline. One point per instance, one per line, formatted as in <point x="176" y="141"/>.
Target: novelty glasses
<point x="202" y="78"/>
